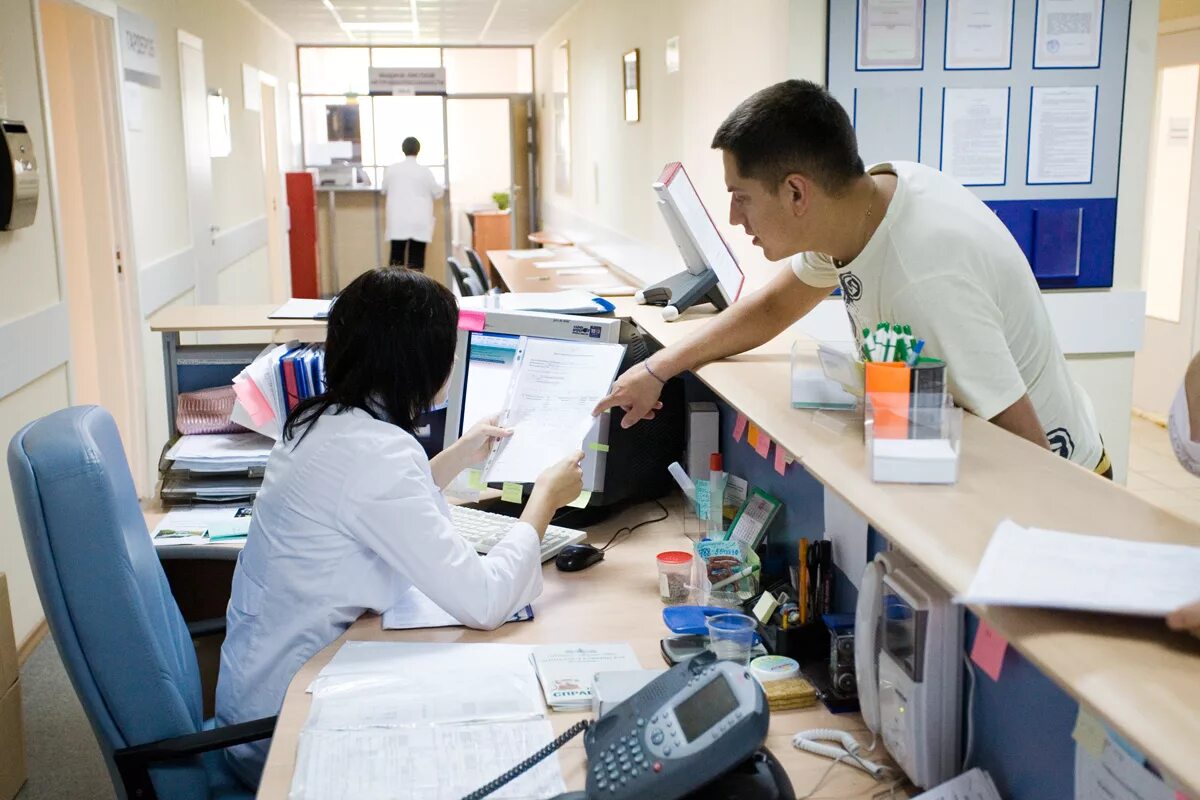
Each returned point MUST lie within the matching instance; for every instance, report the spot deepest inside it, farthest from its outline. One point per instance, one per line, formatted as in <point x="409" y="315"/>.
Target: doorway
<point x="1171" y="253"/>
<point x="277" y="253"/>
<point x="79" y="48"/>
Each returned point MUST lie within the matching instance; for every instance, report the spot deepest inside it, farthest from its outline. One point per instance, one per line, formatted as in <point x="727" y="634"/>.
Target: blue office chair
<point x="119" y="632"/>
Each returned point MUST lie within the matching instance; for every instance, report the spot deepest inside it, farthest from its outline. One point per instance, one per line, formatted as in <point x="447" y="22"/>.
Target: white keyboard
<point x="483" y="529"/>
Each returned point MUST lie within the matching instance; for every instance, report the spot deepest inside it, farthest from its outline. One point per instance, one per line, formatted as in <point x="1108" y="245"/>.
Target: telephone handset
<point x="907" y="656"/>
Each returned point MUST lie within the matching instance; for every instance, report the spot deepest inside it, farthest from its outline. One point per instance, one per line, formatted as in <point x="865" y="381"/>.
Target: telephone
<point x="693" y="732"/>
<point x="908" y="660"/>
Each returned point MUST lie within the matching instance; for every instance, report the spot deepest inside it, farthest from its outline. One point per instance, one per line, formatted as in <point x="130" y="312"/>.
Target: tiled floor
<point x="1156" y="476"/>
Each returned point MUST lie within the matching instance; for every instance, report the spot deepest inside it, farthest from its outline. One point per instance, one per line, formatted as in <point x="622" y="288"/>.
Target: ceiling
<point x="414" y="21"/>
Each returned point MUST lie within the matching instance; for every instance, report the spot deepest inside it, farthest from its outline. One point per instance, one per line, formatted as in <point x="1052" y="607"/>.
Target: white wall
<point x="34" y="327"/>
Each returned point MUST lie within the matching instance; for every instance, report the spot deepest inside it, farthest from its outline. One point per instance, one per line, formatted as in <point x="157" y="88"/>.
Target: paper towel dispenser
<point x="18" y="176"/>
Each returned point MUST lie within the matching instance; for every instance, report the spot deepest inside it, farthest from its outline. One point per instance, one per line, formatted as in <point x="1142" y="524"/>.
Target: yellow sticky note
<point x="1090" y="733"/>
<point x="600" y="448"/>
<point x="752" y="436"/>
<point x="582" y="500"/>
<point x="511" y="493"/>
<point x="475" y="479"/>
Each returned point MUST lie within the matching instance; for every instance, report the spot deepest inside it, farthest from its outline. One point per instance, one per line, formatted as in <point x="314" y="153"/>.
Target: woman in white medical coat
<point x="351" y="515"/>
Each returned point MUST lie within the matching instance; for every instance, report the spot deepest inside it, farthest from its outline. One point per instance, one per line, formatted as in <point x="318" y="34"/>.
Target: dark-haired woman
<point x="351" y="515"/>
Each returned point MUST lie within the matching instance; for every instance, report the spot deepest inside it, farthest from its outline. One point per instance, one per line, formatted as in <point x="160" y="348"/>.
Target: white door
<point x="194" y="93"/>
<point x="277" y="251"/>
<point x="1171" y="248"/>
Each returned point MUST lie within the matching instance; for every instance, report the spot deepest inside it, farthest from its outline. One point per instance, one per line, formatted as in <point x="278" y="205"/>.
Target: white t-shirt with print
<point x="941" y="262"/>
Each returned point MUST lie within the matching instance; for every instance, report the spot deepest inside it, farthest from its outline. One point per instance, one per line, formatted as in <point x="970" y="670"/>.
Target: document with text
<point x="553" y="389"/>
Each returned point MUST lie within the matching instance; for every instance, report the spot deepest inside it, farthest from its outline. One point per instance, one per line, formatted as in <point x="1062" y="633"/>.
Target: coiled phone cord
<point x="530" y="762"/>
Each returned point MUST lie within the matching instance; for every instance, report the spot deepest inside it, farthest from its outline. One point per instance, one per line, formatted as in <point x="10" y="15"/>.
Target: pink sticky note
<point x="764" y="444"/>
<point x="780" y="460"/>
<point x="253" y="400"/>
<point x="739" y="427"/>
<point x="470" y="320"/>
<point x="988" y="650"/>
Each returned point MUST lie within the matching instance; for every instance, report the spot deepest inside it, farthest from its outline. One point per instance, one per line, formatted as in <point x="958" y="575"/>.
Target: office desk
<point x="523" y="275"/>
<point x="613" y="601"/>
<point x="1135" y="674"/>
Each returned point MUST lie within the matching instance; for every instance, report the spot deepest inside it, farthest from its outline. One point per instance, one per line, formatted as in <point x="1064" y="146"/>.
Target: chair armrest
<point x="133" y="763"/>
<point x="206" y="627"/>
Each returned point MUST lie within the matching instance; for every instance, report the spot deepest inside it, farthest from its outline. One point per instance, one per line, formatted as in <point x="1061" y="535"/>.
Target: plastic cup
<point x="730" y="637"/>
<point x="674" y="577"/>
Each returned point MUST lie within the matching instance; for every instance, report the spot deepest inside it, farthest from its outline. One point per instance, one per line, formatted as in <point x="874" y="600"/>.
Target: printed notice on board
<point x="1068" y="33"/>
<point x="890" y="33"/>
<point x="975" y="135"/>
<point x="1115" y="775"/>
<point x="979" y="34"/>
<point x="1062" y="127"/>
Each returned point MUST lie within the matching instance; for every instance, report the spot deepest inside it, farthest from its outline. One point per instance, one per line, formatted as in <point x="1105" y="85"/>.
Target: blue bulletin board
<point x="1019" y="100"/>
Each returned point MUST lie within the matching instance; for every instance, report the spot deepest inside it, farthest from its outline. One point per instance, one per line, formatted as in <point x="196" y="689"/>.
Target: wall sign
<point x="407" y="80"/>
<point x="139" y="48"/>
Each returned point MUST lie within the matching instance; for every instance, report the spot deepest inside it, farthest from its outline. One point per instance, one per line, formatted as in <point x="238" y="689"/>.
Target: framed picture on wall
<point x="632" y="78"/>
<point x="561" y="92"/>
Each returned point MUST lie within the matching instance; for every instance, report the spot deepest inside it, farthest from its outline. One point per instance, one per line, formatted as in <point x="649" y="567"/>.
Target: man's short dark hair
<point x="792" y="127"/>
<point x="410" y="146"/>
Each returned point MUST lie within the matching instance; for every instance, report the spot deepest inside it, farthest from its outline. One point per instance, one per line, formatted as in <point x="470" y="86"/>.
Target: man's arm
<point x="747" y="324"/>
<point x="1021" y="418"/>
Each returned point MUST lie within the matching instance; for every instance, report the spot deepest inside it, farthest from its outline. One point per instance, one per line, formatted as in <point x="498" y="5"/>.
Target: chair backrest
<point x="122" y="639"/>
<point x="477" y="267"/>
<point x="468" y="284"/>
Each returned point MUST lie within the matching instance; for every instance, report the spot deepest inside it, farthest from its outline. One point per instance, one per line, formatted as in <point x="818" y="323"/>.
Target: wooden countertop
<point x="228" y="318"/>
<point x="1134" y="673"/>
<point x="614" y="601"/>
<point x="523" y="275"/>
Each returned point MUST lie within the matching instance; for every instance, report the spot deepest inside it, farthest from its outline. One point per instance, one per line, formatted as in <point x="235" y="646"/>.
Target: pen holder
<point x="804" y="643"/>
<point x="912" y="437"/>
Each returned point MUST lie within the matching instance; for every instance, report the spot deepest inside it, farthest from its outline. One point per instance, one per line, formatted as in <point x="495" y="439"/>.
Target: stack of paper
<point x="414" y="720"/>
<point x="567" y="672"/>
<point x="220" y="452"/>
<point x="415" y="610"/>
<point x="973" y="785"/>
<point x="302" y="308"/>
<point x="261" y="400"/>
<point x="570" y="301"/>
<point x="1051" y="569"/>
<point x="203" y="526"/>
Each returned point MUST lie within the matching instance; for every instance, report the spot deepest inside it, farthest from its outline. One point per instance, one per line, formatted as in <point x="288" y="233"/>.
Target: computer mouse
<point x="575" y="557"/>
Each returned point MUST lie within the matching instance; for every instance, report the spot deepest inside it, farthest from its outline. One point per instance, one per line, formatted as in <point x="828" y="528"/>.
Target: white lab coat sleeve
<point x="390" y="507"/>
<point x="435" y="188"/>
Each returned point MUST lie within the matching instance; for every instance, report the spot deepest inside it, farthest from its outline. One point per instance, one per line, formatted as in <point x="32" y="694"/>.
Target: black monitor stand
<point x="682" y="291"/>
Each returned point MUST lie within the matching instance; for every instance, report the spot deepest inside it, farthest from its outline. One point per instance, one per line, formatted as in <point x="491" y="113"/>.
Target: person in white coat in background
<point x="410" y="190"/>
<point x="351" y="514"/>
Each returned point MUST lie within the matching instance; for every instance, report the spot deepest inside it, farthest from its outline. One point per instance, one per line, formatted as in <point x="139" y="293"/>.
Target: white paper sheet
<point x="264" y="373"/>
<point x="567" y="263"/>
<point x="979" y="34"/>
<point x="221" y="447"/>
<point x="415" y="610"/>
<point x="302" y="308"/>
<point x="569" y="301"/>
<point x="1068" y="33"/>
<point x="201" y="525"/>
<point x="890" y="34"/>
<point x="847" y="529"/>
<point x="440" y="763"/>
<point x="554" y="387"/>
<point x="1052" y="569"/>
<point x="1062" y="127"/>
<point x="1115" y="776"/>
<point x="973" y="785"/>
<point x="975" y="135"/>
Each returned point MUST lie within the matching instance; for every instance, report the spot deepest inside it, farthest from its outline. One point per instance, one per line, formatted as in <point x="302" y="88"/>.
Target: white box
<point x="703" y="438"/>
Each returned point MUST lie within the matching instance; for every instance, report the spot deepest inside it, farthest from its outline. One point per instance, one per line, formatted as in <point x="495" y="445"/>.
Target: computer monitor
<point x="479" y="380"/>
<point x="695" y="233"/>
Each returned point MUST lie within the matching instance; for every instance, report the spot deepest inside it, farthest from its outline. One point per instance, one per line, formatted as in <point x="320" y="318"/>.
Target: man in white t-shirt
<point x="410" y="190"/>
<point x="907" y="245"/>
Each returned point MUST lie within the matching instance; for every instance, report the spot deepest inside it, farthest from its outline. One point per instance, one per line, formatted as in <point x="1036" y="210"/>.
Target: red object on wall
<point x="302" y="238"/>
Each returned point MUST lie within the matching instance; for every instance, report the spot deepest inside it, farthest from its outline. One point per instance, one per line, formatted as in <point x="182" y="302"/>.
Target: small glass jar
<point x="674" y="577"/>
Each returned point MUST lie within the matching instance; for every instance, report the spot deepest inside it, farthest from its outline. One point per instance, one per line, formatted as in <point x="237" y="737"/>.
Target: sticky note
<point x="582" y="500"/>
<point x="1089" y="732"/>
<point x="598" y="447"/>
<point x="253" y="400"/>
<point x="764" y="444"/>
<point x="511" y="493"/>
<point x="471" y="320"/>
<point x="752" y="436"/>
<point x="475" y="479"/>
<point x="988" y="650"/>
<point x="739" y="427"/>
<point x="780" y="460"/>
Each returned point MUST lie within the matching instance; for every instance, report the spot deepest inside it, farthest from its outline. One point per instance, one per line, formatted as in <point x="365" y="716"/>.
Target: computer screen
<point x="480" y="379"/>
<point x="695" y="233"/>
